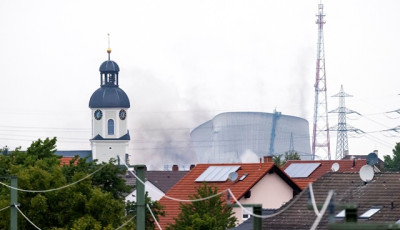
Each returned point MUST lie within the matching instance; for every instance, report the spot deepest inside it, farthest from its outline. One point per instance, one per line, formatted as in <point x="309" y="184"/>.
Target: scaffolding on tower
<point x="321" y="140"/>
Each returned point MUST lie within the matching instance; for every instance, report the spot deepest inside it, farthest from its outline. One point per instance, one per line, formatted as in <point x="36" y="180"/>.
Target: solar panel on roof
<point x="217" y="173"/>
<point x="300" y="170"/>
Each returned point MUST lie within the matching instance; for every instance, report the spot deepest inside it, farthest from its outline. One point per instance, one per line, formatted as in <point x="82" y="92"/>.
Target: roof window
<point x="243" y="177"/>
<point x="341" y="214"/>
<point x="370" y="212"/>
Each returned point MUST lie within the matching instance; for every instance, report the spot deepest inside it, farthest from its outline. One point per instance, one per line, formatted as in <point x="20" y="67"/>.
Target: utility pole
<point x="321" y="140"/>
<point x="140" y="197"/>
<point x="14" y="203"/>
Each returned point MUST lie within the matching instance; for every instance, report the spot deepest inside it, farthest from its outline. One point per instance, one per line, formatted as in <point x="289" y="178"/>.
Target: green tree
<point x="393" y="163"/>
<point x="93" y="203"/>
<point x="278" y="160"/>
<point x="290" y="155"/>
<point x="211" y="213"/>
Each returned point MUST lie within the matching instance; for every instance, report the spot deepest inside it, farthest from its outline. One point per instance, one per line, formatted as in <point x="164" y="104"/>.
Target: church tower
<point x="109" y="105"/>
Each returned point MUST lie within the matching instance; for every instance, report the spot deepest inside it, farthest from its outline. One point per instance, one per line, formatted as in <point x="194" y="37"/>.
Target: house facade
<point x="250" y="183"/>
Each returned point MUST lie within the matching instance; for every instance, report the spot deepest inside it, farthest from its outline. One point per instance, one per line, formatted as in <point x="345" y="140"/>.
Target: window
<point x="111" y="127"/>
<point x="369" y="213"/>
<point x="341" y="214"/>
<point x="243" y="177"/>
<point x="247" y="213"/>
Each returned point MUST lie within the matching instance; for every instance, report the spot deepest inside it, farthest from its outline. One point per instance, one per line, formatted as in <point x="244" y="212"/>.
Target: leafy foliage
<point x="212" y="213"/>
<point x="291" y="155"/>
<point x="93" y="203"/>
<point x="393" y="164"/>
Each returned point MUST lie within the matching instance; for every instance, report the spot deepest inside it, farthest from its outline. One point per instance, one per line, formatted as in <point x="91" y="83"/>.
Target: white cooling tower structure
<point x="240" y="136"/>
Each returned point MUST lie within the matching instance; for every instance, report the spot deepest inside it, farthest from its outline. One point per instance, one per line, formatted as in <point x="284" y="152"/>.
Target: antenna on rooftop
<point x="372" y="159"/>
<point x="233" y="176"/>
<point x="367" y="173"/>
<point x="335" y="167"/>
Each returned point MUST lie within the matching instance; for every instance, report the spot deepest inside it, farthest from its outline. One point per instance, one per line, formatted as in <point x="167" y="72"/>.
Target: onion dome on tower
<point x="109" y="95"/>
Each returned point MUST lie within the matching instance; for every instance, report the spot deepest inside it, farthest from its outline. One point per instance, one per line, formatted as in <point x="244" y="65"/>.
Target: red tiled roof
<point x="187" y="185"/>
<point x="326" y="165"/>
<point x="66" y="160"/>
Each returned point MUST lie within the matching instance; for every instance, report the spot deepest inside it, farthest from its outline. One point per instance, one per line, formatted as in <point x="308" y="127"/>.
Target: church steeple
<point x="109" y="106"/>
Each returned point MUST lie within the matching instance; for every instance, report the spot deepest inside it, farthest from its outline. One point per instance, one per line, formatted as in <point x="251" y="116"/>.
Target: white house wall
<point x="271" y="191"/>
<point x="154" y="193"/>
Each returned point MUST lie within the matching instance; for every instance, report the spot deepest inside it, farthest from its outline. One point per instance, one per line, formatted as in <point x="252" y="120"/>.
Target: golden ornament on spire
<point x="109" y="49"/>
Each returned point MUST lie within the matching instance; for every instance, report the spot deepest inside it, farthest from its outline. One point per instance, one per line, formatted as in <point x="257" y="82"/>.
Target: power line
<point x="133" y="217"/>
<point x="16" y="206"/>
<point x="54" y="189"/>
<point x="154" y="218"/>
<point x="172" y="198"/>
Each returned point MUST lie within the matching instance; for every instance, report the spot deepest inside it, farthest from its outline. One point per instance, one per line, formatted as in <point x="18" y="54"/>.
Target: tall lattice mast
<point x="342" y="144"/>
<point x="321" y="140"/>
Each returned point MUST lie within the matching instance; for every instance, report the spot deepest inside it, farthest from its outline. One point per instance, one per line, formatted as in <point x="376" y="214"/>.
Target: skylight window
<point x="341" y="214"/>
<point x="369" y="213"/>
<point x="301" y="170"/>
<point x="244" y="176"/>
<point x="217" y="173"/>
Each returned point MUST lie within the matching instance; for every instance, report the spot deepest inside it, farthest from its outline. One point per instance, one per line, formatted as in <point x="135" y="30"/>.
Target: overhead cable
<point x="16" y="206"/>
<point x="154" y="218"/>
<point x="54" y="189"/>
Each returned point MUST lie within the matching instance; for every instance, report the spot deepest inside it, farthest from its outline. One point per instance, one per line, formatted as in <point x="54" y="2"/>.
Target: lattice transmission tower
<point x="321" y="140"/>
<point x="342" y="143"/>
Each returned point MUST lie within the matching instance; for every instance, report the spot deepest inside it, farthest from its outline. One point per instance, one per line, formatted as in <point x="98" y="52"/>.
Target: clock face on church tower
<point x="98" y="114"/>
<point x="122" y="114"/>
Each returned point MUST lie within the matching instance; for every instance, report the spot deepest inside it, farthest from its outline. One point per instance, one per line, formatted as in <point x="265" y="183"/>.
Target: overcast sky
<point x="183" y="62"/>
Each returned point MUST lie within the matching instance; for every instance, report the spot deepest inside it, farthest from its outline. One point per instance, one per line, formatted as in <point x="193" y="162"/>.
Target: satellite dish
<point x="372" y="159"/>
<point x="367" y="173"/>
<point x="335" y="167"/>
<point x="233" y="176"/>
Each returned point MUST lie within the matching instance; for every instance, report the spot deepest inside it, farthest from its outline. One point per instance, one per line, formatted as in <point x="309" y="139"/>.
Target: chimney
<point x="268" y="159"/>
<point x="192" y="166"/>
<point x="175" y="168"/>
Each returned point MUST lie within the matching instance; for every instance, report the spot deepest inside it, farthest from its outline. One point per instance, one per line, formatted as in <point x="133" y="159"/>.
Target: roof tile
<point x="187" y="185"/>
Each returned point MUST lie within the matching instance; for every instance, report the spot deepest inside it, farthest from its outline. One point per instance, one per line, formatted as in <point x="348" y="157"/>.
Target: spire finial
<point x="109" y="49"/>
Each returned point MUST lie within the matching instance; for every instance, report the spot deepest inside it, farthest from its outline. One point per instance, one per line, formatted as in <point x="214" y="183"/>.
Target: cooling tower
<point x="248" y="136"/>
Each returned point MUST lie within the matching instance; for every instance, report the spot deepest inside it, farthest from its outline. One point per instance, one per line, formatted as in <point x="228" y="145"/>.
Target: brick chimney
<point x="175" y="168"/>
<point x="268" y="159"/>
